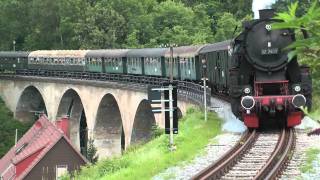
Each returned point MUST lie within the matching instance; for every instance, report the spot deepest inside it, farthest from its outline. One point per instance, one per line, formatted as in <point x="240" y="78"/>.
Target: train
<point x="253" y="69"/>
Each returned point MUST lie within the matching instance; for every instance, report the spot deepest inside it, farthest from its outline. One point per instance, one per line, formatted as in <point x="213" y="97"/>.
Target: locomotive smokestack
<point x="266" y="13"/>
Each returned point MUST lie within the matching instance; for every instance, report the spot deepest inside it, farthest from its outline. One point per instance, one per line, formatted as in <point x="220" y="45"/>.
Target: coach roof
<point x="59" y="53"/>
<point x="186" y="51"/>
<point x="148" y="52"/>
<point x="107" y="53"/>
<point x="216" y="47"/>
<point x="14" y="53"/>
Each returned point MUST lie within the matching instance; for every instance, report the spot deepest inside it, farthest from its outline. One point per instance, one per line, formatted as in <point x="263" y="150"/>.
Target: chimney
<point x="63" y="124"/>
<point x="266" y="13"/>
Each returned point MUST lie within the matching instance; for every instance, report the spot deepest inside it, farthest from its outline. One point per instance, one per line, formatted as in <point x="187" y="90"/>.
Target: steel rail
<point x="277" y="162"/>
<point x="223" y="164"/>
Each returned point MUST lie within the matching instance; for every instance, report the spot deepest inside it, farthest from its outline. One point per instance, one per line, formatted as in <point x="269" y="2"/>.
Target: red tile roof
<point x="39" y="139"/>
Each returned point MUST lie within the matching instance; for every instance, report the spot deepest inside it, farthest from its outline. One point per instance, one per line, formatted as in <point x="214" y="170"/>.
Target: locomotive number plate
<point x="269" y="51"/>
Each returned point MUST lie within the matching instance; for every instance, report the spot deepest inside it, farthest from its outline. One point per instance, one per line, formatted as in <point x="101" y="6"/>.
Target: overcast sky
<point x="260" y="4"/>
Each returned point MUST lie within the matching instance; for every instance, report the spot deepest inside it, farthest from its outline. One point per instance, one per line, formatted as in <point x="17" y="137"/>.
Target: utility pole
<point x="204" y="67"/>
<point x="14" y="45"/>
<point x="172" y="148"/>
<point x="16" y="138"/>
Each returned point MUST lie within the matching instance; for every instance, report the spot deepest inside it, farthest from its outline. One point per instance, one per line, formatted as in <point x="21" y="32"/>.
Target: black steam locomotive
<point x="265" y="86"/>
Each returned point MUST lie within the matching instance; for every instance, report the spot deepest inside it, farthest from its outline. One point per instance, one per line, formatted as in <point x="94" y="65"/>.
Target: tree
<point x="226" y="27"/>
<point x="308" y="46"/>
<point x="91" y="152"/>
<point x="281" y="6"/>
<point x="100" y="27"/>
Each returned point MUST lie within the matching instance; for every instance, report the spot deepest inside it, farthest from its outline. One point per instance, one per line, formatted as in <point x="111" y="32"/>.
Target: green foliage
<point x="91" y="152"/>
<point x="281" y="5"/>
<point x="145" y="161"/>
<point x="309" y="47"/>
<point x="8" y="127"/>
<point x="156" y="131"/>
<point x="78" y="24"/>
<point x="311" y="155"/>
<point x="226" y="27"/>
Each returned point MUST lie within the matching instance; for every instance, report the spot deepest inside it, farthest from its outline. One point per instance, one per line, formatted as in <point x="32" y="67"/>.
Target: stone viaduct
<point x="114" y="115"/>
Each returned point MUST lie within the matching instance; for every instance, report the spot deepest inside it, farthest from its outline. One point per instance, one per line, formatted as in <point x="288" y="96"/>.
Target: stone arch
<point x="143" y="122"/>
<point x="71" y="105"/>
<point x="30" y="104"/>
<point x="108" y="129"/>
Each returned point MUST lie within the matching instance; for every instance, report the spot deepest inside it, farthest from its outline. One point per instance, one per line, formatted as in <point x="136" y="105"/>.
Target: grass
<point x="311" y="155"/>
<point x="315" y="112"/>
<point x="315" y="115"/>
<point x="8" y="125"/>
<point x="144" y="162"/>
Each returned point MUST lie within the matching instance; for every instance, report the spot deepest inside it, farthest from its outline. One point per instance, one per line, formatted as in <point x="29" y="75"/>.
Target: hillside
<point x="8" y="125"/>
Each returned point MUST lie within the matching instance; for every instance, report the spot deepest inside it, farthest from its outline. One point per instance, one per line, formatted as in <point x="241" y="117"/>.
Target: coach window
<point x="114" y="62"/>
<point x="130" y="61"/>
<point x="120" y="61"/>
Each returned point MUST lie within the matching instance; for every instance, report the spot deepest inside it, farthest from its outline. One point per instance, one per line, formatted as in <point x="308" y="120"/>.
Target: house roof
<point x="39" y="139"/>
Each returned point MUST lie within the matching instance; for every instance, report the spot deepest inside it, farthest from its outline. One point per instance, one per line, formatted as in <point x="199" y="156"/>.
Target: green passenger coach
<point x="186" y="62"/>
<point x="218" y="63"/>
<point x="149" y="61"/>
<point x="107" y="61"/>
<point x="61" y="60"/>
<point x="13" y="60"/>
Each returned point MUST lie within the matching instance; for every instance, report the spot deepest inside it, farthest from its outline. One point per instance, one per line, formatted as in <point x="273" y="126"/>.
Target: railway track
<point x="258" y="155"/>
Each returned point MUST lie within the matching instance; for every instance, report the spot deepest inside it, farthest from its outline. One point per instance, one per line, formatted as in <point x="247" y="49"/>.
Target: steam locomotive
<point x="265" y="86"/>
<point x="253" y="69"/>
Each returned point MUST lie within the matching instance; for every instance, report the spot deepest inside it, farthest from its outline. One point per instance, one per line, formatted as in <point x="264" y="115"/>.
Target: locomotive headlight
<point x="247" y="90"/>
<point x="297" y="88"/>
<point x="247" y="102"/>
<point x="299" y="100"/>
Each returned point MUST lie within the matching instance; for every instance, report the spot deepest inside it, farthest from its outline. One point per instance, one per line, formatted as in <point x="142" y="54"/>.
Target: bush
<point x="156" y="131"/>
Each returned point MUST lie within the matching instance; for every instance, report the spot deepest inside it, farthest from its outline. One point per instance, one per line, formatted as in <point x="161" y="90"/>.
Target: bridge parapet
<point x="187" y="91"/>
